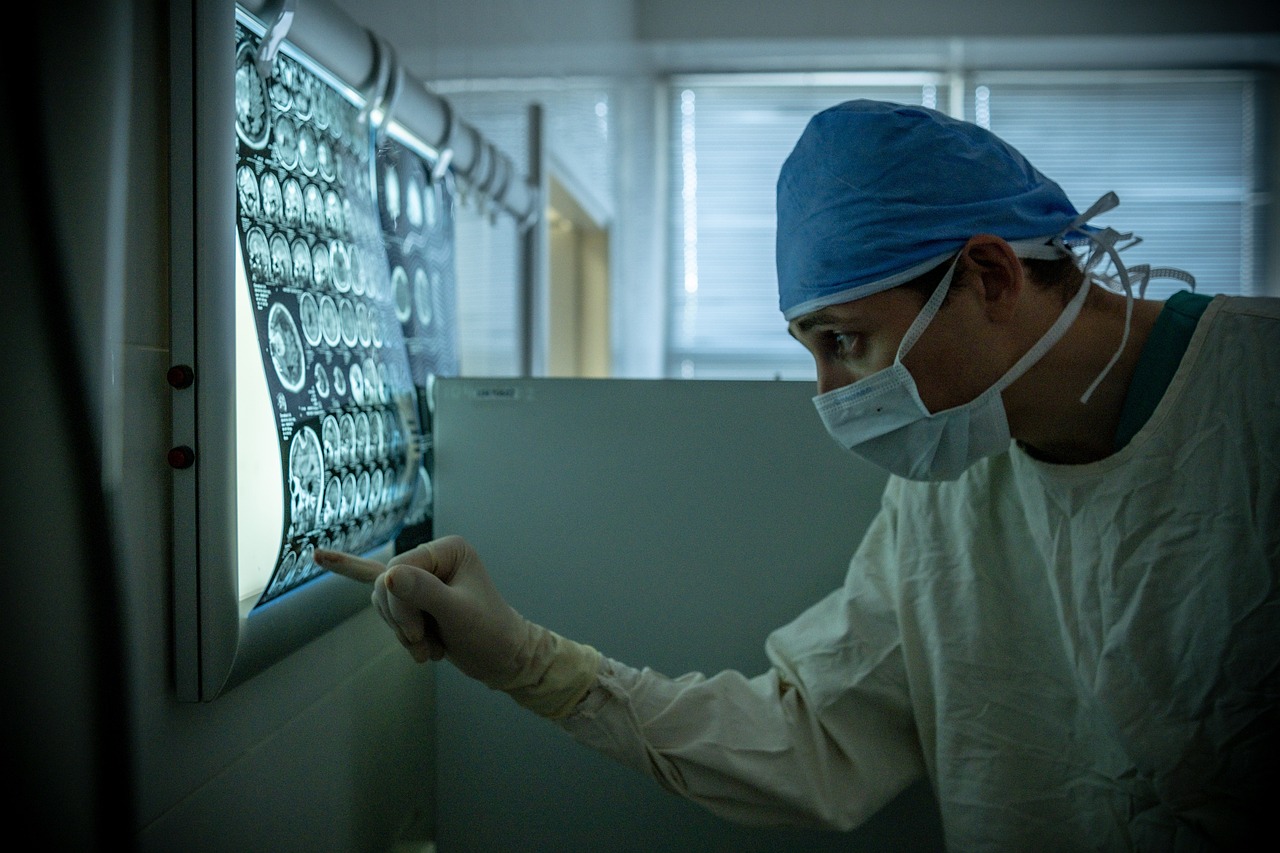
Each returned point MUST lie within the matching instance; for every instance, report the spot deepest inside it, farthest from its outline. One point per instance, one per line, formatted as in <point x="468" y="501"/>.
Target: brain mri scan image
<point x="301" y="262"/>
<point x="332" y="442"/>
<point x="413" y="202"/>
<point x="382" y="378"/>
<point x="400" y="284"/>
<point x="286" y="143"/>
<point x="431" y="206"/>
<point x="324" y="159"/>
<point x="247" y="185"/>
<point x="331" y="509"/>
<point x="322" y="381"/>
<point x="312" y="208"/>
<point x="422" y="296"/>
<point x="363" y="333"/>
<point x="357" y="384"/>
<point x="375" y="433"/>
<point x="282" y="84"/>
<point x="322" y="108"/>
<point x="286" y="347"/>
<point x="330" y="325"/>
<point x="281" y="259"/>
<point x="359" y="278"/>
<point x="259" y="253"/>
<point x="348" y="495"/>
<point x="347" y="318"/>
<point x="288" y="563"/>
<point x="347" y="439"/>
<point x="362" y="437"/>
<point x="306" y="559"/>
<point x="306" y="477"/>
<point x="332" y="211"/>
<point x="272" y="197"/>
<point x="253" y="124"/>
<point x="320" y="265"/>
<point x="303" y="88"/>
<point x="307" y="151"/>
<point x="362" y="492"/>
<point x="391" y="192"/>
<point x="292" y="192"/>
<point x="309" y="314"/>
<point x="340" y="266"/>
<point x="373" y="388"/>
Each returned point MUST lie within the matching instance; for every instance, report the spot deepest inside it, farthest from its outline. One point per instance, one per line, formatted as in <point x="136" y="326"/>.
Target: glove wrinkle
<point x="552" y="673"/>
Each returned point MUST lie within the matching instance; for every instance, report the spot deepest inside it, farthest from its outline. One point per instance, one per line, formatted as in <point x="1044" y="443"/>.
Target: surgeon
<point x="1066" y="614"/>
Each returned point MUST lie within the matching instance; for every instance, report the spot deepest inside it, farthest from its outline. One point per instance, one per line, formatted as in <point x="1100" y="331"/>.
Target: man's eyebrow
<point x="817" y="318"/>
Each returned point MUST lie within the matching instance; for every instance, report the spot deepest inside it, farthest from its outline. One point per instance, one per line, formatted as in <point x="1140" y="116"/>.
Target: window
<point x="576" y="116"/>
<point x="1178" y="150"/>
<point x="488" y="261"/>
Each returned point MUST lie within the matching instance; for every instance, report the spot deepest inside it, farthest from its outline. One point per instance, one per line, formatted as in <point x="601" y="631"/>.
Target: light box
<point x="312" y="306"/>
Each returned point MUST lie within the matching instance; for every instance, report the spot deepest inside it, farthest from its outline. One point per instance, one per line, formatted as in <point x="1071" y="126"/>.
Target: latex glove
<point x="440" y="602"/>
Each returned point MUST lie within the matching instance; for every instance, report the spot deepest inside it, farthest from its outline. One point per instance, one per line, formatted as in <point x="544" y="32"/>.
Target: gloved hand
<point x="440" y="601"/>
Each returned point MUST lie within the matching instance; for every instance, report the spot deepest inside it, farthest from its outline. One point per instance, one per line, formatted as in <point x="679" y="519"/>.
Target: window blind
<point x="728" y="143"/>
<point x="487" y="253"/>
<point x="576" y="125"/>
<point x="1177" y="149"/>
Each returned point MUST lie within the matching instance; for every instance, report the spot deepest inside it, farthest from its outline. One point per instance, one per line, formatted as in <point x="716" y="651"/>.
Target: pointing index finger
<point x="349" y="565"/>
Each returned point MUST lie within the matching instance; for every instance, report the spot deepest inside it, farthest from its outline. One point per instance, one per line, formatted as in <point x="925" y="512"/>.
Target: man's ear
<point x="997" y="273"/>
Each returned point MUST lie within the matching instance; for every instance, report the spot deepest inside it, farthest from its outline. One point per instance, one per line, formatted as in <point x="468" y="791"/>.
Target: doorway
<point x="578" y="288"/>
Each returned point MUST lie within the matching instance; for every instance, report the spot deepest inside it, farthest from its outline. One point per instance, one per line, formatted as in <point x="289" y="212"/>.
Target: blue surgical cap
<point x="875" y="194"/>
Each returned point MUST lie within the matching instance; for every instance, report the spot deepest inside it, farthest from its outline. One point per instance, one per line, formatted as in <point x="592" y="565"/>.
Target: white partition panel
<point x="671" y="524"/>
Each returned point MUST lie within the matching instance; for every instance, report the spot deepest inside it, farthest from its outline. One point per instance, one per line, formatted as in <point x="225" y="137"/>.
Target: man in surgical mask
<point x="1067" y="613"/>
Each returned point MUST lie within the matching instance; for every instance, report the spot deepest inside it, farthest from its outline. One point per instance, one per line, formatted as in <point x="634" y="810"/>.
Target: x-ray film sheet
<point x="333" y="346"/>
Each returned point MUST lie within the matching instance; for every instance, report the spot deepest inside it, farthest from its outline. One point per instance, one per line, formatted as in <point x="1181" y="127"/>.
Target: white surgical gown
<point x="1081" y="657"/>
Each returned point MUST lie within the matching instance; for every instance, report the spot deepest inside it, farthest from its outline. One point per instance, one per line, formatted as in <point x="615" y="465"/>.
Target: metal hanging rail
<point x="367" y="62"/>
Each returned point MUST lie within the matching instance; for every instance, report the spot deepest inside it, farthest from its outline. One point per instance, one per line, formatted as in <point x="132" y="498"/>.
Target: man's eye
<point x="845" y="344"/>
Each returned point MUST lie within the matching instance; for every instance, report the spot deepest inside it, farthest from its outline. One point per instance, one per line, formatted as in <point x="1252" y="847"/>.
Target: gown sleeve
<point x="823" y="738"/>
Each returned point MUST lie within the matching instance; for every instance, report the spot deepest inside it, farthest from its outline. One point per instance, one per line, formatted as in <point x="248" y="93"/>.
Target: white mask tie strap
<point x="1107" y="245"/>
<point x="926" y="315"/>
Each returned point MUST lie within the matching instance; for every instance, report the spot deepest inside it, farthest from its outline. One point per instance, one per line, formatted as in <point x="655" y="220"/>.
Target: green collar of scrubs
<point x="1160" y="357"/>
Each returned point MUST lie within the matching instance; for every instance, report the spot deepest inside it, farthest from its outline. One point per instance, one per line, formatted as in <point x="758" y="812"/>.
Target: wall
<point x="61" y="661"/>
<point x="505" y="38"/>
<point x="659" y="20"/>
<point x="331" y="748"/>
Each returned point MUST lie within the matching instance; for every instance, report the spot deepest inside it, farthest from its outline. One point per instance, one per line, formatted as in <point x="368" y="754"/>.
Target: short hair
<point x="1061" y="274"/>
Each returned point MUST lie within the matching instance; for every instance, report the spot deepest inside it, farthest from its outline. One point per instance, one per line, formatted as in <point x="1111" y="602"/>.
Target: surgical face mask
<point x="882" y="418"/>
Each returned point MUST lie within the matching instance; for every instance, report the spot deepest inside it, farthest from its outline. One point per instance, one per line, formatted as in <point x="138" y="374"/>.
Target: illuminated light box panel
<point x="315" y="312"/>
